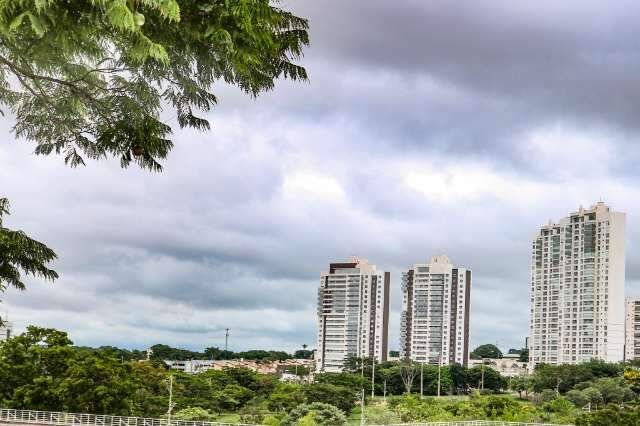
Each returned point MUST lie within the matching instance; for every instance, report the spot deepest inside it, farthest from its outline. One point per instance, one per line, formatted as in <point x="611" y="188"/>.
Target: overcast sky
<point x="427" y="128"/>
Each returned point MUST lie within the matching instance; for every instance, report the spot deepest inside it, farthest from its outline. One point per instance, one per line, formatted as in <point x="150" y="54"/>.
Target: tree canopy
<point x="19" y="254"/>
<point x="89" y="79"/>
<point x="486" y="351"/>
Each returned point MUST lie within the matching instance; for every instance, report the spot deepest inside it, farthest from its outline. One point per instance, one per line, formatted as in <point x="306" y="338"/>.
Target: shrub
<point x="319" y="413"/>
<point x="194" y="414"/>
<point x="560" y="405"/>
<point x="548" y="395"/>
<point x="340" y="396"/>
<point x="379" y="415"/>
<point x="613" y="415"/>
<point x="577" y="397"/>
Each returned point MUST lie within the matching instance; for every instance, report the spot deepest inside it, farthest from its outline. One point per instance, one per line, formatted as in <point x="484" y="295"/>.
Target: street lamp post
<point x="421" y="379"/>
<point x="439" y="366"/>
<point x="170" y="399"/>
<point x="362" y="408"/>
<point x="373" y="377"/>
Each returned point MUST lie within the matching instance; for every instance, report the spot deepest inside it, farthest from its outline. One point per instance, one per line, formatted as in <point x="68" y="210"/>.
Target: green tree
<point x="232" y="397"/>
<point x="285" y="398"/>
<point x="632" y="379"/>
<point x="577" y="397"/>
<point x="20" y="254"/>
<point x="486" y="351"/>
<point x="520" y="384"/>
<point x="32" y="366"/>
<point x="317" y="413"/>
<point x="593" y="395"/>
<point x="303" y="354"/>
<point x="612" y="415"/>
<point x="611" y="389"/>
<point x="89" y="79"/>
<point x="492" y="379"/>
<point x="342" y="397"/>
<point x="97" y="384"/>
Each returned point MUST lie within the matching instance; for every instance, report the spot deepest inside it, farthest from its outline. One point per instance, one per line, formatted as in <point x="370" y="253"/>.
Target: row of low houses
<point x="283" y="367"/>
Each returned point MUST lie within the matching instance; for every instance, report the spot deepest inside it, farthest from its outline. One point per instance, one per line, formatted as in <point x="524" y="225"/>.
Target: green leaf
<point x="120" y="16"/>
<point x="37" y="25"/>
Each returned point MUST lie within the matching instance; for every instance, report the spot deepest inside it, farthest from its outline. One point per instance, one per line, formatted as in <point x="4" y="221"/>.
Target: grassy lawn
<point x="354" y="418"/>
<point x="228" y="418"/>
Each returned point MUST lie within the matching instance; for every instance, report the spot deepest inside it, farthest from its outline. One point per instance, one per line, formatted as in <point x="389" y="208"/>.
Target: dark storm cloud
<point x="513" y="66"/>
<point x="427" y="128"/>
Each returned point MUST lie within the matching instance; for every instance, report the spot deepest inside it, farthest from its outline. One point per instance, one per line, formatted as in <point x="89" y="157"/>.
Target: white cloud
<point x="312" y="185"/>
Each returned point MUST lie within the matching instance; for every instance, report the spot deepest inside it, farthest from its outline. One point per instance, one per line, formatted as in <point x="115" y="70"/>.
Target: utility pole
<point x="384" y="391"/>
<point x="170" y="399"/>
<point x="362" y="408"/>
<point x="439" y="365"/>
<point x="226" y="341"/>
<point x="373" y="377"/>
<point x="421" y="379"/>
<point x="482" y="376"/>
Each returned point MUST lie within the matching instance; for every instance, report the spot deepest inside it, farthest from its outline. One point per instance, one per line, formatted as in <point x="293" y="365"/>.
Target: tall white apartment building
<point x="577" y="288"/>
<point x="353" y="314"/>
<point x="434" y="326"/>
<point x="632" y="329"/>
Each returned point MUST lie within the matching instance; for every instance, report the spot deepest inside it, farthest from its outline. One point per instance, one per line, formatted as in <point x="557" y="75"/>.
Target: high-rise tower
<point x="434" y="326"/>
<point x="577" y="288"/>
<point x="353" y="314"/>
<point x="632" y="329"/>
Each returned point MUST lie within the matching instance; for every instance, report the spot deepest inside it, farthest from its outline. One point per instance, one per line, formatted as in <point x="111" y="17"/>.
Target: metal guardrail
<point x="49" y="418"/>
<point x="474" y="423"/>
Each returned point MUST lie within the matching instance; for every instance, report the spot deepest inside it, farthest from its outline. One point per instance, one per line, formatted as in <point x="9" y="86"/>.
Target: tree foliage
<point x="486" y="351"/>
<point x="612" y="415"/>
<point x="317" y="413"/>
<point x="89" y="79"/>
<point x="20" y="254"/>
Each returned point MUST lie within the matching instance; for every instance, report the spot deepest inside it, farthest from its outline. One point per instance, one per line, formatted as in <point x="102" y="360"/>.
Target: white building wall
<point x="632" y="329"/>
<point x="6" y="330"/>
<point x="352" y="314"/>
<point x="434" y="319"/>
<point x="577" y="288"/>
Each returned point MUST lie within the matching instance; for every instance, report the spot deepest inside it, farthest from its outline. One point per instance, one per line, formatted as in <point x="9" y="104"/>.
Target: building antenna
<point x="226" y="341"/>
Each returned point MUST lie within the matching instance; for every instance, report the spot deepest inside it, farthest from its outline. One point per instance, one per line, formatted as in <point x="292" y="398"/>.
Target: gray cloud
<point x="427" y="128"/>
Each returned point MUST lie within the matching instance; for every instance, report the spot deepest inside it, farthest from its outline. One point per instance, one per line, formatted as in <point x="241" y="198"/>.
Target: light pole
<point x="439" y="365"/>
<point x="170" y="399"/>
<point x="362" y="408"/>
<point x="421" y="379"/>
<point x="373" y="377"/>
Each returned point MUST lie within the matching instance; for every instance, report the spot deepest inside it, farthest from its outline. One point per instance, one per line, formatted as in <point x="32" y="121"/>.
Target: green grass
<point x="354" y="418"/>
<point x="228" y="418"/>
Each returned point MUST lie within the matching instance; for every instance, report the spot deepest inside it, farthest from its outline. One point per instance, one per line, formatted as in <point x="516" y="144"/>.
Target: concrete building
<point x="434" y="326"/>
<point x="508" y="366"/>
<point x="195" y="366"/>
<point x="353" y="314"/>
<point x="632" y="329"/>
<point x="577" y="288"/>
